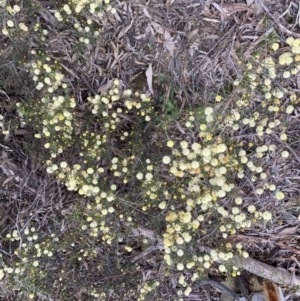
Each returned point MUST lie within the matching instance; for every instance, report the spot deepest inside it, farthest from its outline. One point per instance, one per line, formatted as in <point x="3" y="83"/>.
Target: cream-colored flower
<point x="239" y="246"/>
<point x="222" y="228"/>
<point x="90" y="171"/>
<point x="272" y="187"/>
<point x="139" y="176"/>
<point x="238" y="200"/>
<point x="267" y="216"/>
<point x="244" y="159"/>
<point x="235" y="210"/>
<point x="222" y="170"/>
<point x="208" y="111"/>
<point x="184" y="144"/>
<point x="35" y="263"/>
<point x="23" y="27"/>
<point x="245" y="254"/>
<point x="209" y="118"/>
<point x="63" y="164"/>
<point x="279" y="195"/>
<point x="162" y="205"/>
<point x="180" y="266"/>
<point x="180" y="253"/>
<point x="259" y="191"/>
<point x="283" y="137"/>
<point x="189" y="265"/>
<point x="10" y="23"/>
<point x="186" y="236"/>
<point x="5" y="31"/>
<point x="206" y="264"/>
<point x="203" y="127"/>
<point x="170" y="143"/>
<point x="221" y="193"/>
<point x="218" y="98"/>
<point x="166" y="159"/>
<point x="275" y="46"/>
<point x="289" y="109"/>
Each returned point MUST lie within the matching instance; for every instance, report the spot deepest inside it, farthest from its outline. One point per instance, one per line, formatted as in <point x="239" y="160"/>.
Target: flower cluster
<point x="128" y="165"/>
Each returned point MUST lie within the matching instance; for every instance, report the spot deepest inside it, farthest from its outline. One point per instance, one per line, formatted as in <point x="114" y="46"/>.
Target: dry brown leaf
<point x="287" y="230"/>
<point x="250" y="37"/>
<point x="158" y="28"/>
<point x="47" y="16"/>
<point x="149" y="75"/>
<point x="141" y="36"/>
<point x="258" y="8"/>
<point x="104" y="88"/>
<point x="125" y="29"/>
<point x="167" y="35"/>
<point x="232" y="8"/>
<point x="8" y="179"/>
<point x="147" y="14"/>
<point x="70" y="71"/>
<point x="116" y="15"/>
<point x="170" y="46"/>
<point x="211" y="20"/>
<point x="210" y="37"/>
<point x="296" y="251"/>
<point x="169" y="3"/>
<point x="221" y="9"/>
<point x="179" y="127"/>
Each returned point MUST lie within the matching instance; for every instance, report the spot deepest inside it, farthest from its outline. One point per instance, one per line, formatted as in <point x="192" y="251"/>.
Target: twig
<point x="287" y="146"/>
<point x="254" y="190"/>
<point x="276" y="20"/>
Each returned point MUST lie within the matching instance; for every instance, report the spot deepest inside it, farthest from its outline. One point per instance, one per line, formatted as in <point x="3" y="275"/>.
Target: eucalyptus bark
<point x="277" y="275"/>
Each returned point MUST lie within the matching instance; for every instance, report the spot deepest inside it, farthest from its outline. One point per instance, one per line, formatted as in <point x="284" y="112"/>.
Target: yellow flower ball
<point x="275" y="46"/>
<point x="180" y="253"/>
<point x="218" y="98"/>
<point x="222" y="268"/>
<point x="170" y="143"/>
<point x="180" y="266"/>
<point x="190" y="265"/>
<point x="139" y="176"/>
<point x="208" y="111"/>
<point x="245" y="254"/>
<point x="206" y="265"/>
<point x="267" y="216"/>
<point x="279" y="195"/>
<point x="166" y="159"/>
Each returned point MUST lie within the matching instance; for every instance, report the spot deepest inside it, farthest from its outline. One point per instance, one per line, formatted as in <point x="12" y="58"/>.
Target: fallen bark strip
<point x="268" y="272"/>
<point x="277" y="275"/>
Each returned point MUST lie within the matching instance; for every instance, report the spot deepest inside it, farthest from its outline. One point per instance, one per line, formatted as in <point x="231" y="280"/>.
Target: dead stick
<point x="277" y="275"/>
